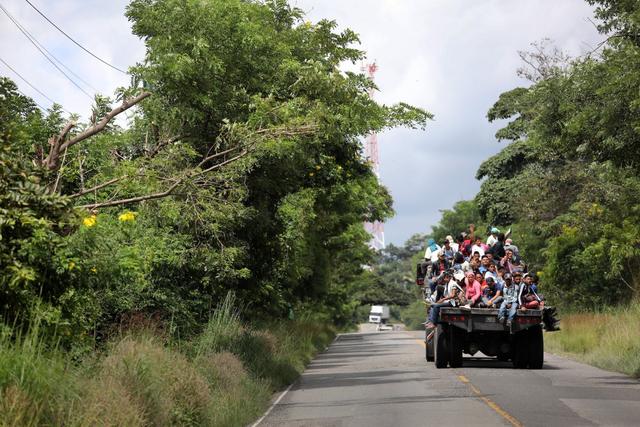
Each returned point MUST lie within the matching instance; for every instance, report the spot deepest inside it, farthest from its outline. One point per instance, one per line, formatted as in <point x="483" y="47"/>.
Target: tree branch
<point x="98" y="187"/>
<point x="52" y="160"/>
<point x="169" y="190"/>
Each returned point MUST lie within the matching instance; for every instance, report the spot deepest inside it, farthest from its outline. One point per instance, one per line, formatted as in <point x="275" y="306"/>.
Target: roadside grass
<point x="414" y="315"/>
<point x="224" y="377"/>
<point x="609" y="339"/>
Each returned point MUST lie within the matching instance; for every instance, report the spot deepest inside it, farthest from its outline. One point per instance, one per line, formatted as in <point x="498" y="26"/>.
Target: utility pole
<point x="376" y="229"/>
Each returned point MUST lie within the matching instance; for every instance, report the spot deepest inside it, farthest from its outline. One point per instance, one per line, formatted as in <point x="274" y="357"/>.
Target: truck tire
<point x="536" y="348"/>
<point x="440" y="348"/>
<point x="456" y="345"/>
<point x="428" y="346"/>
<point x="521" y="350"/>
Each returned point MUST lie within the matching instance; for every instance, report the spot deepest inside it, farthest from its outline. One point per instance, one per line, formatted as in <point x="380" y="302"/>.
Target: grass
<point x="225" y="377"/>
<point x="609" y="339"/>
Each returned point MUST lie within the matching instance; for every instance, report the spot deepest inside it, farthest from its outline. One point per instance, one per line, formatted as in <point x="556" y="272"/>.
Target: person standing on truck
<point x="431" y="253"/>
<point x="479" y="247"/>
<point x="437" y="268"/>
<point x="510" y="302"/>
<point x="455" y="246"/>
<point x="484" y="264"/>
<point x="447" y="250"/>
<point x="493" y="237"/>
<point x="508" y="244"/>
<point x="497" y="249"/>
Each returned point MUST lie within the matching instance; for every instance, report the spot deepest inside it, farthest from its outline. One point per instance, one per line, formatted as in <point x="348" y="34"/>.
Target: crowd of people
<point x="469" y="272"/>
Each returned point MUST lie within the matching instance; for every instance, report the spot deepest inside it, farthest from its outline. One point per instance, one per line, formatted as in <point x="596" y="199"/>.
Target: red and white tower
<point x="376" y="229"/>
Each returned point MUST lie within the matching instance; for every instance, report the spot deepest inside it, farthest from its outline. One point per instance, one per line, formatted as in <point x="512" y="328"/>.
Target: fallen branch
<point x="98" y="187"/>
<point x="59" y="145"/>
<point x="165" y="193"/>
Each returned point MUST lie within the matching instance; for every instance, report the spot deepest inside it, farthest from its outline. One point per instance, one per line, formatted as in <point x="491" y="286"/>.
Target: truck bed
<point x="486" y="319"/>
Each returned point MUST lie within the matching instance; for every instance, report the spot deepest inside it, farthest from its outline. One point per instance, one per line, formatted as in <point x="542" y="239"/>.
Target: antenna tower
<point x="376" y="229"/>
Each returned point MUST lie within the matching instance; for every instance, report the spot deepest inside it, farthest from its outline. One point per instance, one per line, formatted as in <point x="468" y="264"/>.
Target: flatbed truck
<point x="469" y="330"/>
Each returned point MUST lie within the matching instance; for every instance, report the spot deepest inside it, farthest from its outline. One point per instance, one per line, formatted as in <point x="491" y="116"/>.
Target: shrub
<point x="414" y="316"/>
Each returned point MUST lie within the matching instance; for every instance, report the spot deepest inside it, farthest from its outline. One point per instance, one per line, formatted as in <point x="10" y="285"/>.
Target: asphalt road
<point x="382" y="379"/>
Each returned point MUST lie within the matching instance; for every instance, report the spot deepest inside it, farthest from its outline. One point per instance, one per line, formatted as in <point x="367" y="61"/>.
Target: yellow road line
<point x="490" y="403"/>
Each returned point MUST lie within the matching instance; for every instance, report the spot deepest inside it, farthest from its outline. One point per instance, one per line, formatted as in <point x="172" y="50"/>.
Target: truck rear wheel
<point x="428" y="345"/>
<point x="536" y="347"/>
<point x="456" y="345"/>
<point x="521" y="350"/>
<point x="440" y="348"/>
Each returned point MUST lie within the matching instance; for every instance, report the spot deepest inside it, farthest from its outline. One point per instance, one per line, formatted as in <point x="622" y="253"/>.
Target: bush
<point x="224" y="378"/>
<point x="414" y="316"/>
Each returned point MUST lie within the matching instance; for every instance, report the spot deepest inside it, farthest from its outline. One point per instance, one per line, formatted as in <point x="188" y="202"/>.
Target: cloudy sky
<point x="452" y="57"/>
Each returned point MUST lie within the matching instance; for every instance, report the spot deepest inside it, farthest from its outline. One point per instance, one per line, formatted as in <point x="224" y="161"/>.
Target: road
<point x="382" y="379"/>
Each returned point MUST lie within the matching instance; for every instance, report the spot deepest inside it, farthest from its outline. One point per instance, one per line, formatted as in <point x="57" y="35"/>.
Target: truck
<point x="470" y="330"/>
<point x="379" y="314"/>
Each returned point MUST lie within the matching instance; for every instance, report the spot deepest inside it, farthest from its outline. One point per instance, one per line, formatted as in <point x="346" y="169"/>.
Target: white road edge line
<point x="273" y="405"/>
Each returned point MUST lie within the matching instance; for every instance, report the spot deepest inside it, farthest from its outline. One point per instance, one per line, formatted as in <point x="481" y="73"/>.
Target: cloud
<point x="98" y="25"/>
<point x="452" y="57"/>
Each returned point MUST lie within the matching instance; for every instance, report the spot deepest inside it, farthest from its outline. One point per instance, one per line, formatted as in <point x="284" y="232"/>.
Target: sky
<point x="451" y="57"/>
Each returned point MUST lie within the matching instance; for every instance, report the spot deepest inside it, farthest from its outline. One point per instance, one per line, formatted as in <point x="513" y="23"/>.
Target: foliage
<point x="31" y="219"/>
<point x="414" y="316"/>
<point x="568" y="181"/>
<point x="241" y="170"/>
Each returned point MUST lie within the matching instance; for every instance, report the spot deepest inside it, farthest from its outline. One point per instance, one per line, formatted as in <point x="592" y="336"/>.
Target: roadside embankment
<point x="224" y="377"/>
<point x="609" y="339"/>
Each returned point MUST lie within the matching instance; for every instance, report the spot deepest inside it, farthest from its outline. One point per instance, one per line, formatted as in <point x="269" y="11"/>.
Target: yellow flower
<point x="94" y="270"/>
<point x="318" y="167"/>
<point x="72" y="265"/>
<point x="89" y="221"/>
<point x="127" y="216"/>
<point x="311" y="174"/>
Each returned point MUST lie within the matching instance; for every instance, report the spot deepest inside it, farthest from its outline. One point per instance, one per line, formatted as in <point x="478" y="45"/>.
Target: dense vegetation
<point x="240" y="169"/>
<point x="238" y="176"/>
<point x="568" y="183"/>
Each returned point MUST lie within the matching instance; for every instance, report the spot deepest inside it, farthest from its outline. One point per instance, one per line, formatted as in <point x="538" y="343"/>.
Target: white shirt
<point x="476" y="248"/>
<point x="491" y="240"/>
<point x="432" y="255"/>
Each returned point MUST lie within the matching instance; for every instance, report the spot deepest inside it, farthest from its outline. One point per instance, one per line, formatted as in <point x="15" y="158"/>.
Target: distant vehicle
<point x="469" y="330"/>
<point x="379" y="314"/>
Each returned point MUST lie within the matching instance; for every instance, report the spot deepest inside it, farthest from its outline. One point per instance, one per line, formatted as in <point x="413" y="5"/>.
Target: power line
<point x="32" y="86"/>
<point x="42" y="52"/>
<point x="76" y="43"/>
<point x="22" y="27"/>
<point x="44" y="110"/>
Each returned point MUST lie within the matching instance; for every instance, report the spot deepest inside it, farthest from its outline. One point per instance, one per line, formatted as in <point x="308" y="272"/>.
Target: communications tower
<point x="376" y="229"/>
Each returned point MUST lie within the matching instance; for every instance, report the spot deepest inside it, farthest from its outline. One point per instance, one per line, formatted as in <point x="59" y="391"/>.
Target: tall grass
<point x="225" y="377"/>
<point x="609" y="339"/>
